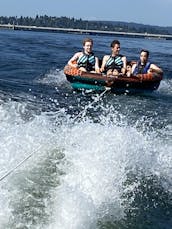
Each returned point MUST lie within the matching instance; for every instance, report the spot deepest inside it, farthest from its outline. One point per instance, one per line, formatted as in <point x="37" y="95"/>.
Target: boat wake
<point x="82" y="173"/>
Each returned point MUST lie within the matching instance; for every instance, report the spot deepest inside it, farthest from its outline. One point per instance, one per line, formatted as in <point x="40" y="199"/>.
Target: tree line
<point x="67" y="22"/>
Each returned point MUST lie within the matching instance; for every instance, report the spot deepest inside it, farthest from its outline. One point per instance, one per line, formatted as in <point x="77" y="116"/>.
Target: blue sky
<point x="151" y="12"/>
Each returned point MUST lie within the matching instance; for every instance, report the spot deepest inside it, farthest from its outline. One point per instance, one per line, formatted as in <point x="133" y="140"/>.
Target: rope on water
<point x="30" y="155"/>
<point x="12" y="170"/>
<point x="94" y="101"/>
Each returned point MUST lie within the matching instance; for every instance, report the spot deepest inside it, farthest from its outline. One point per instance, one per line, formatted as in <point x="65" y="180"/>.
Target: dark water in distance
<point x="95" y="161"/>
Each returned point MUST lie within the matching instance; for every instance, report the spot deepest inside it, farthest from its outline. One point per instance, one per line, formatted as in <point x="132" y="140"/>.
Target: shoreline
<point x="84" y="31"/>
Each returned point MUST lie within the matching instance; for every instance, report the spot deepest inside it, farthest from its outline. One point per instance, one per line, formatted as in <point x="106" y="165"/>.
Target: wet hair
<point x="114" y="42"/>
<point x="129" y="63"/>
<point x="146" y="51"/>
<point x="87" y="40"/>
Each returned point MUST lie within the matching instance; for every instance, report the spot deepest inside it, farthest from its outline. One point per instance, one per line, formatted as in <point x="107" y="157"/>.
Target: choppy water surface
<point x="92" y="161"/>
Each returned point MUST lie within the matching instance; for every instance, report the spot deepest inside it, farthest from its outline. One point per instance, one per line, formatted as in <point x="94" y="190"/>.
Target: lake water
<point x="84" y="160"/>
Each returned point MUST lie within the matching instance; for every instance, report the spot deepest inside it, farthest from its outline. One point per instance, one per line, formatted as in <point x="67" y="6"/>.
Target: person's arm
<point x="97" y="68"/>
<point x="133" y="68"/>
<point x="72" y="61"/>
<point x="155" y="68"/>
<point x="105" y="58"/>
<point x="124" y="68"/>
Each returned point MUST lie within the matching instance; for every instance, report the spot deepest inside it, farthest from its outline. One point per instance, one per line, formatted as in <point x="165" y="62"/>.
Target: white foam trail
<point x="19" y="138"/>
<point x="165" y="87"/>
<point x="54" y="77"/>
<point x="98" y="157"/>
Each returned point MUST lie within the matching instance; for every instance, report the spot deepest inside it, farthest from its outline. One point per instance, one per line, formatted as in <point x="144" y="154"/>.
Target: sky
<point x="149" y="12"/>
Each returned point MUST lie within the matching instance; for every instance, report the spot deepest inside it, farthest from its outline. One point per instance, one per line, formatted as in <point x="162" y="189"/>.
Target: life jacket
<point x="141" y="68"/>
<point x="87" y="61"/>
<point x="114" y="62"/>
